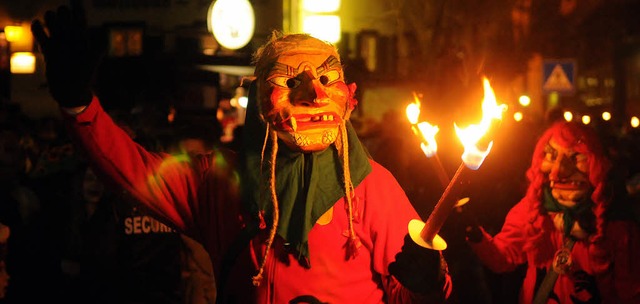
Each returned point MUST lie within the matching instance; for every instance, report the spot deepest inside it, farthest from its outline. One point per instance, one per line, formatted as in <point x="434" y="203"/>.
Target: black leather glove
<point x="70" y="62"/>
<point x="419" y="269"/>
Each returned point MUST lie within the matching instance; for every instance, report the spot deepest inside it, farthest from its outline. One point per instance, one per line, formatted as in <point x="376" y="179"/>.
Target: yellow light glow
<point x="23" y="63"/>
<point x="13" y="33"/>
<point x="635" y="121"/>
<point x="232" y="22"/>
<point x="606" y="116"/>
<point x="471" y="135"/>
<point x="517" y="116"/>
<point x="568" y="116"/>
<point x="243" y="101"/>
<point x="321" y="6"/>
<point x="586" y="119"/>
<point x="553" y="99"/>
<point x="524" y="100"/>
<point x="323" y="27"/>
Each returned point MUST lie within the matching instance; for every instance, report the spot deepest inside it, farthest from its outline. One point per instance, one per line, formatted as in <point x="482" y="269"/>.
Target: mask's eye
<point x="293" y="83"/>
<point x="329" y="77"/>
<point x="550" y="154"/>
<point x="579" y="158"/>
<point x="285" y="82"/>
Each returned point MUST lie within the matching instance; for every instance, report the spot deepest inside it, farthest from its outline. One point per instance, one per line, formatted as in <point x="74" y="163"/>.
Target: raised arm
<point x="166" y="184"/>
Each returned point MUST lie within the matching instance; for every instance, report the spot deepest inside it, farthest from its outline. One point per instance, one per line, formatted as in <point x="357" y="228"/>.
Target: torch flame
<point x="413" y="111"/>
<point x="425" y="130"/>
<point x="429" y="145"/>
<point x="469" y="136"/>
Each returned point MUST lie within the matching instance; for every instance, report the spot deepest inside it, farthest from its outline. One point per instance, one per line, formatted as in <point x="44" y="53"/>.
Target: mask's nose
<point x="562" y="168"/>
<point x="311" y="92"/>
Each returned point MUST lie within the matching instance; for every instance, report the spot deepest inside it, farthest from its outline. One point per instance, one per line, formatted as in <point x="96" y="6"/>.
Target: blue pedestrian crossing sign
<point x="559" y="76"/>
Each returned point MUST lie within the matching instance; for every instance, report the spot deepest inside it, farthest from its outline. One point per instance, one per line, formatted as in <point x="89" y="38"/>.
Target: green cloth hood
<point x="307" y="184"/>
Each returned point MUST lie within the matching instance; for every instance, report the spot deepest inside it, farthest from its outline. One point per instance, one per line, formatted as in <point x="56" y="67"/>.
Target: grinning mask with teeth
<point x="571" y="162"/>
<point x="567" y="171"/>
<point x="302" y="93"/>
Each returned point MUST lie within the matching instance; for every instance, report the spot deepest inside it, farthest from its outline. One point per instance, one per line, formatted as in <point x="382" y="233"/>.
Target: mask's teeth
<point x="331" y="117"/>
<point x="294" y="124"/>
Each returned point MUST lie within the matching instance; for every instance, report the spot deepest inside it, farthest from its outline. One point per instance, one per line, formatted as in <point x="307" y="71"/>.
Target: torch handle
<point x="441" y="210"/>
<point x="442" y="174"/>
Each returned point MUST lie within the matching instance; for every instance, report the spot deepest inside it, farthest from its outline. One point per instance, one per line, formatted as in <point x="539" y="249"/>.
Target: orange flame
<point x="469" y="136"/>
<point x="413" y="112"/>
<point x="425" y="130"/>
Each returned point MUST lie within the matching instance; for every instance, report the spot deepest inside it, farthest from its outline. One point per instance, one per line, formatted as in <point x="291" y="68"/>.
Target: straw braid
<point x="263" y="224"/>
<point x="257" y="279"/>
<point x="353" y="243"/>
<point x="264" y="147"/>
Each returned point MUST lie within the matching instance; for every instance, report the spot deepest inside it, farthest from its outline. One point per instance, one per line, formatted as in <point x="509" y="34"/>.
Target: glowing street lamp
<point x="518" y="116"/>
<point x="232" y="22"/>
<point x="524" y="100"/>
<point x="568" y="116"/>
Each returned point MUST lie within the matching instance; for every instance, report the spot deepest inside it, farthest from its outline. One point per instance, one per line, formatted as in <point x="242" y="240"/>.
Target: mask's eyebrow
<point x="331" y="63"/>
<point x="282" y="69"/>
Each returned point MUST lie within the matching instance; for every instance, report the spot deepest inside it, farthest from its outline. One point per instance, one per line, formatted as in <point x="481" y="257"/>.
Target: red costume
<point x="568" y="200"/>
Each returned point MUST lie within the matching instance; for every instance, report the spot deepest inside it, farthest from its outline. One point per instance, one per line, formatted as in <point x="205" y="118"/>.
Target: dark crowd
<point x="72" y="238"/>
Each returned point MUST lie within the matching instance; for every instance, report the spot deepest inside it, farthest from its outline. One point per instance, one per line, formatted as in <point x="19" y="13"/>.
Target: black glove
<point x="473" y="233"/>
<point x="419" y="269"/>
<point x="70" y="62"/>
<point x="466" y="218"/>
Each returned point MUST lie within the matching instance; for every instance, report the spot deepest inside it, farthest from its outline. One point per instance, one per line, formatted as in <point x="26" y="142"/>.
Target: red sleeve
<point x="504" y="252"/>
<point x="164" y="183"/>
